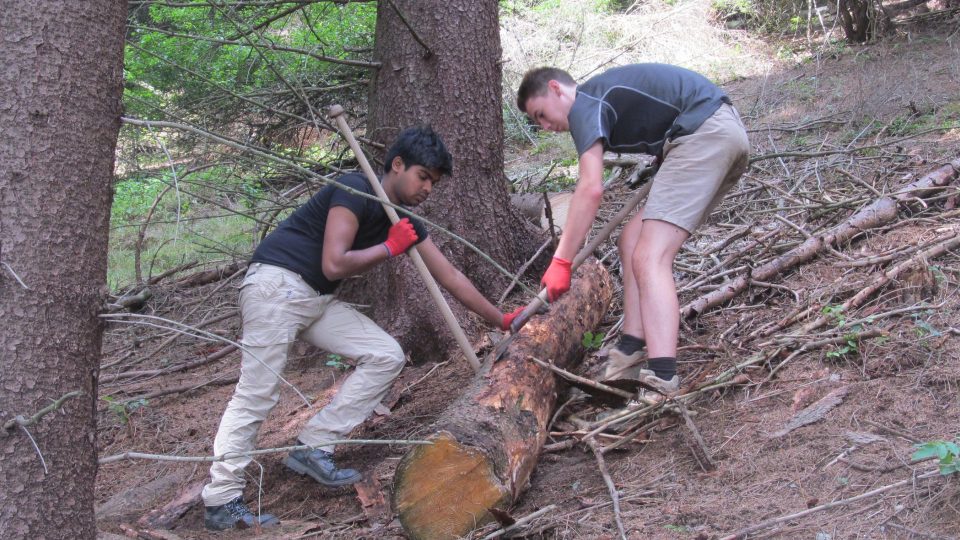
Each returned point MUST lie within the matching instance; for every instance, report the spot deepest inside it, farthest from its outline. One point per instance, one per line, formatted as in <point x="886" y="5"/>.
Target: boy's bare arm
<point x="458" y="284"/>
<point x="339" y="261"/>
<point x="585" y="202"/>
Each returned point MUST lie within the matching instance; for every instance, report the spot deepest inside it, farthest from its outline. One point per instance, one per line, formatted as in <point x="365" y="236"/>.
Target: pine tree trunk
<point x="487" y="443"/>
<point x="60" y="88"/>
<point x="452" y="81"/>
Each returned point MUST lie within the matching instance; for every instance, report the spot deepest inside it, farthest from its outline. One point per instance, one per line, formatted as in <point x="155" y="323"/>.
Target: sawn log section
<point x="488" y="442"/>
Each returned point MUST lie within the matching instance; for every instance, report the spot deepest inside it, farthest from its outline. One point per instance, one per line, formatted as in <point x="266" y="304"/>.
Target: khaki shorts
<point x="698" y="170"/>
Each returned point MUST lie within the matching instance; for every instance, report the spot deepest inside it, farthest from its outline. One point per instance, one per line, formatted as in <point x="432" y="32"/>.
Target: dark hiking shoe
<point x="319" y="465"/>
<point x="235" y="514"/>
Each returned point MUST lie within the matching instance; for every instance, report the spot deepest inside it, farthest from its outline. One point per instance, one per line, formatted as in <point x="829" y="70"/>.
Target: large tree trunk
<point x="60" y="88"/>
<point x="453" y="83"/>
<point x="488" y="442"/>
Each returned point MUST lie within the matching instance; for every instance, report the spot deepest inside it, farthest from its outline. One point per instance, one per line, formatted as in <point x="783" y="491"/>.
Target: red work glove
<point x="509" y="317"/>
<point x="400" y="237"/>
<point x="557" y="278"/>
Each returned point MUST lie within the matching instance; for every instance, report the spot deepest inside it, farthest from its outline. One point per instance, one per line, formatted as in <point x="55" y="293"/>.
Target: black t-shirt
<point x="636" y="108"/>
<point x="297" y="243"/>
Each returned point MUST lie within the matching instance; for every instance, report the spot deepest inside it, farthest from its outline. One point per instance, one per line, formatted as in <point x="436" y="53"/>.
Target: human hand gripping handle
<point x="557" y="278"/>
<point x="509" y="317"/>
<point x="400" y="237"/>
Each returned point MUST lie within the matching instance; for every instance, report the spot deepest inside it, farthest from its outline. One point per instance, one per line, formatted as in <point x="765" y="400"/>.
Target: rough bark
<point x="60" y="88"/>
<point x="880" y="212"/>
<point x="488" y="442"/>
<point x="452" y="81"/>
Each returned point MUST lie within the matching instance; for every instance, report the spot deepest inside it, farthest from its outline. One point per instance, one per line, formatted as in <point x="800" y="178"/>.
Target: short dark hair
<point x="422" y="146"/>
<point x="534" y="83"/>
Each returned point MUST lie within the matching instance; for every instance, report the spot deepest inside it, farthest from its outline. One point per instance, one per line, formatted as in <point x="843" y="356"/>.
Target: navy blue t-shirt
<point x="636" y="108"/>
<point x="297" y="243"/>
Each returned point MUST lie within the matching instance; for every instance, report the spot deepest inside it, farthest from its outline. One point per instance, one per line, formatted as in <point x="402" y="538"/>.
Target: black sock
<point x="664" y="368"/>
<point x="630" y="344"/>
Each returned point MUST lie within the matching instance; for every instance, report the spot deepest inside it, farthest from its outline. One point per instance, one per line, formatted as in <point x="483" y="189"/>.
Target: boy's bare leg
<point x="652" y="260"/>
<point x="627" y="244"/>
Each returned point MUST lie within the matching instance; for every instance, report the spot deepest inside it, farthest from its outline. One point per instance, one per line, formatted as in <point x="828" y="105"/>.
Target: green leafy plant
<point x="849" y="346"/>
<point x="947" y="452"/>
<point x="592" y="341"/>
<point x="336" y="361"/>
<point x="123" y="409"/>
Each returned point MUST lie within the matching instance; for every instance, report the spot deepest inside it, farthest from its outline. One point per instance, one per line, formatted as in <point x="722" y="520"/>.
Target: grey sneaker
<point x="621" y="365"/>
<point x="664" y="389"/>
<point x="319" y="465"/>
<point x="235" y="514"/>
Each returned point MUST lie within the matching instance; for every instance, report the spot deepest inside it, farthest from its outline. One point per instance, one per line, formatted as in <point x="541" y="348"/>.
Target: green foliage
<point x="184" y="56"/>
<point x="947" y="452"/>
<point x="336" y="361"/>
<point x="123" y="409"/>
<point x="835" y="314"/>
<point x="592" y="341"/>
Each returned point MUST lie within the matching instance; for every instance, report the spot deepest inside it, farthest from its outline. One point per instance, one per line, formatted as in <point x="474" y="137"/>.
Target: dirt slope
<point x="900" y="389"/>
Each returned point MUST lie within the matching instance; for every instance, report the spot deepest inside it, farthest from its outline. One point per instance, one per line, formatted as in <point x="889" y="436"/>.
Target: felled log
<point x="487" y="443"/>
<point x="209" y="276"/>
<point x="878" y="213"/>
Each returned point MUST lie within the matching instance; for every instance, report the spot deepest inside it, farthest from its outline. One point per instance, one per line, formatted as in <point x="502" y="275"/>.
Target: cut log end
<point x="428" y="475"/>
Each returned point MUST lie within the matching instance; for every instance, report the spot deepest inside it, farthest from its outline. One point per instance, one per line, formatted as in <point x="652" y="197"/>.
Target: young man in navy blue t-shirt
<point x="288" y="294"/>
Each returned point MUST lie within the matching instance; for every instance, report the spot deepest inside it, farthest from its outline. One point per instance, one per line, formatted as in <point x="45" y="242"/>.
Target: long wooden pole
<point x="336" y="114"/>
<point x="541" y="299"/>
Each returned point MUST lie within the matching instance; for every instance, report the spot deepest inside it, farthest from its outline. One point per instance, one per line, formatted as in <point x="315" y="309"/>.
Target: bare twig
<point x="743" y="533"/>
<point x="20" y="420"/>
<point x="611" y="487"/>
<point x="520" y="523"/>
<point x="233" y="455"/>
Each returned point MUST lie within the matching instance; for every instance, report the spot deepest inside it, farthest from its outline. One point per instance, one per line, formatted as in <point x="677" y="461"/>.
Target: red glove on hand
<point x="557" y="278"/>
<point x="509" y="317"/>
<point x="400" y="237"/>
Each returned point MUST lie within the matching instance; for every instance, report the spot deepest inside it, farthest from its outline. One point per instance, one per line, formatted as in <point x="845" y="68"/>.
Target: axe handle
<point x="336" y="113"/>
<point x="541" y="299"/>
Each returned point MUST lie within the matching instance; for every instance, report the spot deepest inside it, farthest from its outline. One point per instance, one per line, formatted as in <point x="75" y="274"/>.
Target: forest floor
<point x="903" y="388"/>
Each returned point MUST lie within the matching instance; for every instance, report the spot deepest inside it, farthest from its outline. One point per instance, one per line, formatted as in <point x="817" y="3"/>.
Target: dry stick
<point x="582" y="380"/>
<point x="887" y="277"/>
<point x="136" y="319"/>
<point x="523" y="269"/>
<point x="882" y="211"/>
<point x="172" y="369"/>
<point x="307" y="173"/>
<point x="186" y="266"/>
<point x="838" y="340"/>
<point x="614" y="494"/>
<point x="337" y="114"/>
<point x="182" y="388"/>
<point x="601" y="236"/>
<point x="742" y="533"/>
<point x="520" y="522"/>
<point x="233" y="455"/>
<point x="20" y="420"/>
<point x="142" y="234"/>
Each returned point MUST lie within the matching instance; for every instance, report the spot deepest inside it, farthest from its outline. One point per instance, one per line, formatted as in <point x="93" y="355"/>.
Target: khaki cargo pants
<point x="277" y="307"/>
<point x="698" y="170"/>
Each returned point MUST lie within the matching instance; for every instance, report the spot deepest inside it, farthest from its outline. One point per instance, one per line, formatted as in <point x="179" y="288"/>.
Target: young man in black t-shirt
<point x="288" y="293"/>
<point x="691" y="126"/>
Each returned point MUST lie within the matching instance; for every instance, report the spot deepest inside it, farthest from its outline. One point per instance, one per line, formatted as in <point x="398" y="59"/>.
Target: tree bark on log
<point x="880" y="212"/>
<point x="488" y="442"/>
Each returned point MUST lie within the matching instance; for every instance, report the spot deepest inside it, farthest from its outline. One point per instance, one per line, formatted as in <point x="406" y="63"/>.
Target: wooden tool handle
<point x="336" y="113"/>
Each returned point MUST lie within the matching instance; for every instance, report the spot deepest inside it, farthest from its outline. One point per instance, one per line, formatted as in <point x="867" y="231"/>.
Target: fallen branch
<point x="882" y="211"/>
<point x="233" y="455"/>
<point x="742" y="533"/>
<point x="20" y="420"/>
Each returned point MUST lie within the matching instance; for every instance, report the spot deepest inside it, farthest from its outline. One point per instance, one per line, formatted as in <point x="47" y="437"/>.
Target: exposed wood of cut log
<point x="880" y="212"/>
<point x="488" y="442"/>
